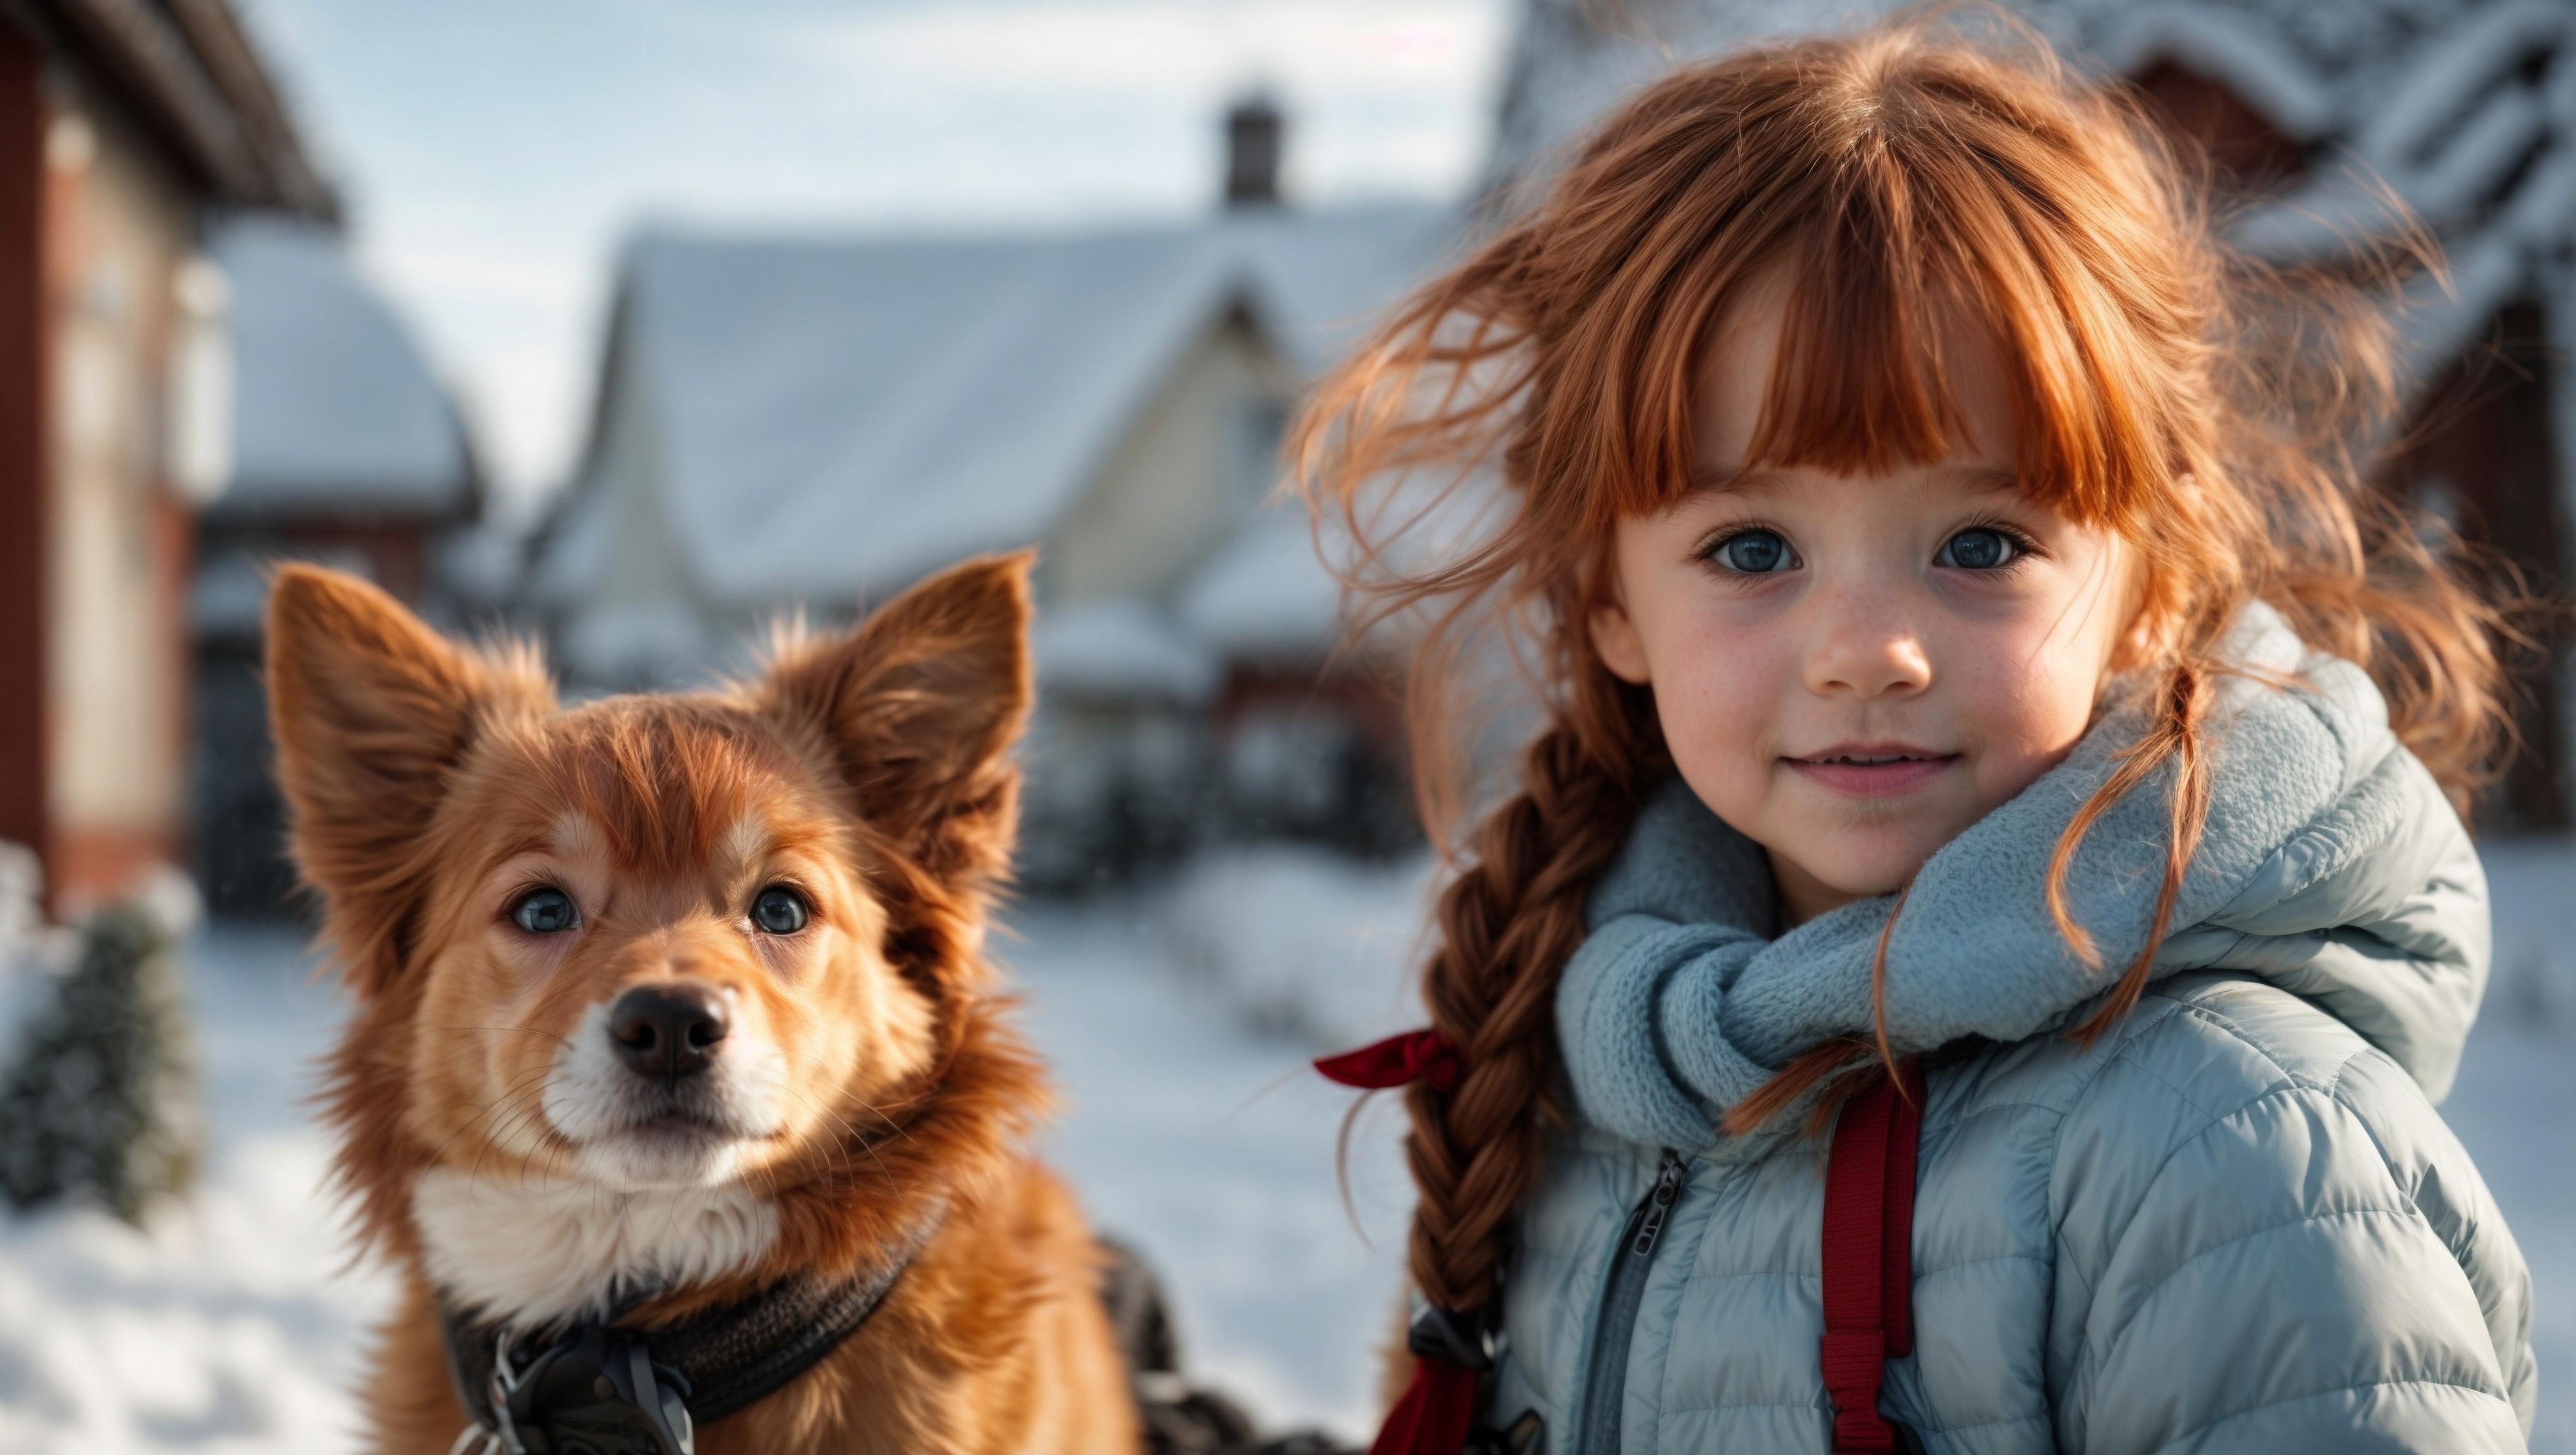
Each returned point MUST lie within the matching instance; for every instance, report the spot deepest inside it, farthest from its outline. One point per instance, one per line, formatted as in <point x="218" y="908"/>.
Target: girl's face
<point x="1850" y="669"/>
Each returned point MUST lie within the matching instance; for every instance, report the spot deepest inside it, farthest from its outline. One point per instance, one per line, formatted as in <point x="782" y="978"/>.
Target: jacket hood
<point x="2331" y="865"/>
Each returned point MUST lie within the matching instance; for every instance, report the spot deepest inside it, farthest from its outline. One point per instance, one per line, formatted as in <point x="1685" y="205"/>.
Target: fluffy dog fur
<point x="490" y="1140"/>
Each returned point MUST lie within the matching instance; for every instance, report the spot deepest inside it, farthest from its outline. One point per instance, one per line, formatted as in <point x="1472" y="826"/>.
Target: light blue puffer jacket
<point x="2233" y="1224"/>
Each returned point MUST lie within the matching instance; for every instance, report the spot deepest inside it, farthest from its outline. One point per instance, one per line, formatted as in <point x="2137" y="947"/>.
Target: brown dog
<point x="672" y="1016"/>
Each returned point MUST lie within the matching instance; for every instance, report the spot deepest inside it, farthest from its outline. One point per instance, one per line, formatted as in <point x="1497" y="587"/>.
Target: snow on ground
<point x="1211" y="1148"/>
<point x="2515" y="1104"/>
<point x="1305" y="945"/>
<point x="1179" y="1024"/>
<point x="229" y="1324"/>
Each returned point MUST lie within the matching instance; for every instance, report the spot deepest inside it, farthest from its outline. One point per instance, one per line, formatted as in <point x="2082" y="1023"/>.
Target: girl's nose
<point x="1864" y="654"/>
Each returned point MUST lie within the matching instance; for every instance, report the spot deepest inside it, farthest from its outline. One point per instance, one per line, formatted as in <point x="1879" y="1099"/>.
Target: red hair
<point x="2210" y="412"/>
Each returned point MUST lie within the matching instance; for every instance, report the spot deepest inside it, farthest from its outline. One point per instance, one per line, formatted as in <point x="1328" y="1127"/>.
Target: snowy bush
<point x="99" y="1102"/>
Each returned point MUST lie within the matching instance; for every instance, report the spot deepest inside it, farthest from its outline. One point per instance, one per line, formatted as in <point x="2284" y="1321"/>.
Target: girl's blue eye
<point x="547" y="911"/>
<point x="1979" y="549"/>
<point x="1754" y="553"/>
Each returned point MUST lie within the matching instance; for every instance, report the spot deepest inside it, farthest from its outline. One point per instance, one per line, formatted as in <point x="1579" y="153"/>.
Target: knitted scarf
<point x="2331" y="865"/>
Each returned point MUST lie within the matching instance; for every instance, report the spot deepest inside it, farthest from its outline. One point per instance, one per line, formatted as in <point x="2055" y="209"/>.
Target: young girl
<point x="1966" y="643"/>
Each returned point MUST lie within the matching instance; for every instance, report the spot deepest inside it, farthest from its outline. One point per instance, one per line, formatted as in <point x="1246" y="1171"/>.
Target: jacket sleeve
<point x="2276" y="1253"/>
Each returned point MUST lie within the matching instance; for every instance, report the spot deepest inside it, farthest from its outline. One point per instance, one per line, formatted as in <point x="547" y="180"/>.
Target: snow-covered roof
<point x="1273" y="593"/>
<point x="2464" y="109"/>
<point x="1123" y="649"/>
<point x="335" y="408"/>
<point x="836" y="416"/>
<point x="1265" y="595"/>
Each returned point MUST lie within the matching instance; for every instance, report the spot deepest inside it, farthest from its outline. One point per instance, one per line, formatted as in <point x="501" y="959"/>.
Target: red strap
<point x="1869" y="1254"/>
<point x="1425" y="1055"/>
<point x="1433" y="1416"/>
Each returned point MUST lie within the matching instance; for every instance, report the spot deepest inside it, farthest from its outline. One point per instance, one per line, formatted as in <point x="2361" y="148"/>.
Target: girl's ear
<point x="1616" y="642"/>
<point x="372" y="712"/>
<point x="921" y="706"/>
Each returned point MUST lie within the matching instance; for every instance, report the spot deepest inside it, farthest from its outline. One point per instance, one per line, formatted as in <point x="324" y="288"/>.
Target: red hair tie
<point x="1424" y="1055"/>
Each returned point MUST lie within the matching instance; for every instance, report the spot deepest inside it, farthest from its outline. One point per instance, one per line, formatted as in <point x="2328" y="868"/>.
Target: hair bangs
<point x="1857" y="383"/>
<point x="1931" y="258"/>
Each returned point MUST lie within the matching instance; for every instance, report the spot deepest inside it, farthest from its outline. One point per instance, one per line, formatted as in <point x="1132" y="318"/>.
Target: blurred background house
<point x="124" y="131"/>
<point x="2318" y="115"/>
<point x="811" y="423"/>
<point x="346" y="450"/>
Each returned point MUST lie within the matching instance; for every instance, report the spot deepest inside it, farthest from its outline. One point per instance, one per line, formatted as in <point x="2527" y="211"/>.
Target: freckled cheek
<point x="1722" y="693"/>
<point x="2028" y="708"/>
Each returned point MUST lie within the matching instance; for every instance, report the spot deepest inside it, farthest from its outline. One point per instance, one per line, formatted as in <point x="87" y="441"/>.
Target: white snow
<point x="1301" y="942"/>
<point x="1212" y="1148"/>
<point x="230" y="1325"/>
<point x="2514" y="1105"/>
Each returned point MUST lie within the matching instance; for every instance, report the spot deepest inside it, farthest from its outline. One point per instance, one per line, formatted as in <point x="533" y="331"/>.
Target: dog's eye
<point x="779" y="910"/>
<point x="547" y="911"/>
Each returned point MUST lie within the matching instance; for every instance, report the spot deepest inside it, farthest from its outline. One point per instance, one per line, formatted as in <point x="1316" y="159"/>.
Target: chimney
<point x="1252" y="137"/>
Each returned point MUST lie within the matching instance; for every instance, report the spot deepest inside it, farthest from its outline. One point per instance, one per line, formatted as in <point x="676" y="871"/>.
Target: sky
<point x="494" y="153"/>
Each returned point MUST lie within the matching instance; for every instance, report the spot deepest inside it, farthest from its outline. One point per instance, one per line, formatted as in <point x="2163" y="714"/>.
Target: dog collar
<point x="593" y="1387"/>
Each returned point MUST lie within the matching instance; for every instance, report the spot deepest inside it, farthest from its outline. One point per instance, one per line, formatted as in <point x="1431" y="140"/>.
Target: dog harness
<point x="595" y="1389"/>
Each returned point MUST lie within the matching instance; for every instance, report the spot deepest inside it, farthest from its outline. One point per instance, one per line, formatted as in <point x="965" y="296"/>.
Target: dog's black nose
<point x="667" y="1030"/>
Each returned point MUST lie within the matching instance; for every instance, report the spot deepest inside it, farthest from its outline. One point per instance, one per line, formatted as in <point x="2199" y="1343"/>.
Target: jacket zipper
<point x="1614" y="1328"/>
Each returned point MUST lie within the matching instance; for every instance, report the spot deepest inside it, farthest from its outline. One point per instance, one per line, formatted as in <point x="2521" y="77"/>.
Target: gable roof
<point x="837" y="416"/>
<point x="335" y="410"/>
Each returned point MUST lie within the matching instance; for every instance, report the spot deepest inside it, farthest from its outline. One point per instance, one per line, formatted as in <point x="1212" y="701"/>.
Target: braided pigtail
<point x="1507" y="925"/>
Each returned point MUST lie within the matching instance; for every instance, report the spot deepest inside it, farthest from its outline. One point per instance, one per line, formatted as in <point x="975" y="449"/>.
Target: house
<point x="346" y="450"/>
<point x="2315" y="113"/>
<point x="123" y="129"/>
<point x="812" y="423"/>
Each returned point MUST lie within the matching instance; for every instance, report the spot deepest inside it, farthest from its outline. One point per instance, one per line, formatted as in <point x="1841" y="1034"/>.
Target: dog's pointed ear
<point x="372" y="713"/>
<point x="921" y="706"/>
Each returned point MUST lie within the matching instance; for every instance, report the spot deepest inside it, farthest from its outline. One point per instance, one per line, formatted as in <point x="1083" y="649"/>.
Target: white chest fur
<point x="533" y="1249"/>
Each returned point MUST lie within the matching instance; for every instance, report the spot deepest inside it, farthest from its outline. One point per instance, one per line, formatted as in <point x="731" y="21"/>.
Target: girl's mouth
<point x="1872" y="770"/>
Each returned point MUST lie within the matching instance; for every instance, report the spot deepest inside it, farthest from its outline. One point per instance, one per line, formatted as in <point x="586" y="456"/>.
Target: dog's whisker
<point x="494" y="1108"/>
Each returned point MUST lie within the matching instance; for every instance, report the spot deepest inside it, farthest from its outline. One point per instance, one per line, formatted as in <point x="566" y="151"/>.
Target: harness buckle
<point x="596" y="1391"/>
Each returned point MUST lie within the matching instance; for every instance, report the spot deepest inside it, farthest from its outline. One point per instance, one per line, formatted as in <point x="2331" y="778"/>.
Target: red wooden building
<point x="124" y="126"/>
